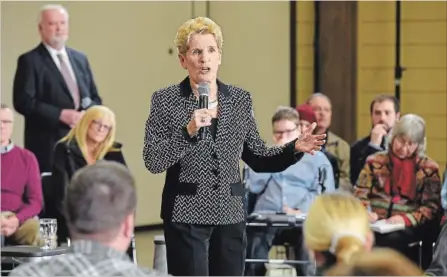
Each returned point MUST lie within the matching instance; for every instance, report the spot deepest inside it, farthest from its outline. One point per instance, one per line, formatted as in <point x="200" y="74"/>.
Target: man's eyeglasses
<point x="281" y="132"/>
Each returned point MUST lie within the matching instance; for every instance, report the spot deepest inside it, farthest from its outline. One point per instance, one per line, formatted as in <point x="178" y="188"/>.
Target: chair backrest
<point x="45" y="179"/>
<point x="335" y="168"/>
<point x="322" y="176"/>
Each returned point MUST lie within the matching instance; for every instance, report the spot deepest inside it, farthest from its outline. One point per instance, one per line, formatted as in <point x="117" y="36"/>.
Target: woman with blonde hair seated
<point x="378" y="262"/>
<point x="402" y="186"/>
<point x="336" y="229"/>
<point x="92" y="139"/>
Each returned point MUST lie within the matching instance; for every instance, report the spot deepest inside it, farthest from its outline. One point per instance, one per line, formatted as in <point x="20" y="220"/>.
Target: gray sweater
<point x="438" y="266"/>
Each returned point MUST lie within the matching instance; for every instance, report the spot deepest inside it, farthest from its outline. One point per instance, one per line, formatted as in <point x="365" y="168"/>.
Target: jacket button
<point x="215" y="156"/>
<point x="215" y="171"/>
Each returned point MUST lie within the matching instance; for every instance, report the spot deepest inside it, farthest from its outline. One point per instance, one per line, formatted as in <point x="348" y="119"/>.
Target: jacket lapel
<point x="224" y="113"/>
<point x="48" y="60"/>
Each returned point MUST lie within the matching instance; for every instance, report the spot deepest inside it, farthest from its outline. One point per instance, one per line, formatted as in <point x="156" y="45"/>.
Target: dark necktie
<point x="71" y="84"/>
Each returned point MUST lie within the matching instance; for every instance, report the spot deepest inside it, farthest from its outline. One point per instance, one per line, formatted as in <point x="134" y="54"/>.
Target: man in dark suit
<point x="53" y="85"/>
<point x="385" y="111"/>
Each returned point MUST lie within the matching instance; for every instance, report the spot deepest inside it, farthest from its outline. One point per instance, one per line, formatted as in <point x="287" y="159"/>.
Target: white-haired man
<point x="53" y="84"/>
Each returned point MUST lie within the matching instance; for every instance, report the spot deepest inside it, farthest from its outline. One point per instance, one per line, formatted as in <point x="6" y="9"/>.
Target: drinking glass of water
<point x="48" y="233"/>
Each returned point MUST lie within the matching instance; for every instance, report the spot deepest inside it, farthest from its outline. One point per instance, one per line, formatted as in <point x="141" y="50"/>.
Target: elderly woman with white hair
<point x="202" y="204"/>
<point x="402" y="185"/>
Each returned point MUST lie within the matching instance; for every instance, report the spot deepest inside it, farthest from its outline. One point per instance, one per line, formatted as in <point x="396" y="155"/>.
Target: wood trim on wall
<point x="337" y="50"/>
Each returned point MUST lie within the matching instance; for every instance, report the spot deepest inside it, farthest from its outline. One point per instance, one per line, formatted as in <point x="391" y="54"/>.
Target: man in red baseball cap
<point x="307" y="117"/>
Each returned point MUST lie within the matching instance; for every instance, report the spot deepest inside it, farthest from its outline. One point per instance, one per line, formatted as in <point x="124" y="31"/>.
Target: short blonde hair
<point x="198" y="25"/>
<point x="413" y="127"/>
<point x="337" y="222"/>
<point x="79" y="132"/>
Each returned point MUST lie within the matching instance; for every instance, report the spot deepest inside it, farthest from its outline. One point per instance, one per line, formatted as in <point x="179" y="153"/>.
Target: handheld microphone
<point x="86" y="103"/>
<point x="204" y="91"/>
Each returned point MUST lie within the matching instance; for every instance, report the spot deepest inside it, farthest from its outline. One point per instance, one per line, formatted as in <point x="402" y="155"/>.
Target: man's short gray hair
<point x="50" y="7"/>
<point x="413" y="127"/>
<point x="316" y="95"/>
<point x="99" y="198"/>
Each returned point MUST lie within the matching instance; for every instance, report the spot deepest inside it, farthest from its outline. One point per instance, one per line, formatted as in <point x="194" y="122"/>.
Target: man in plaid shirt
<point x="100" y="206"/>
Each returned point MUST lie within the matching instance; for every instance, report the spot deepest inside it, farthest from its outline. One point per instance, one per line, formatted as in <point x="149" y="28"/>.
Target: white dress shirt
<point x="53" y="52"/>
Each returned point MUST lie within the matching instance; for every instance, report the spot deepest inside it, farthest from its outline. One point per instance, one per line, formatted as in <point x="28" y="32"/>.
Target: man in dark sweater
<point x="21" y="188"/>
<point x="385" y="111"/>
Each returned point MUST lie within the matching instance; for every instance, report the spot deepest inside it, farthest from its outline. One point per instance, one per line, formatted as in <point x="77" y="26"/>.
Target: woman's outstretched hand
<point x="308" y="142"/>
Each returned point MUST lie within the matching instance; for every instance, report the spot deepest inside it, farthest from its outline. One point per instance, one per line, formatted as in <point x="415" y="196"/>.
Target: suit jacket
<point x="68" y="159"/>
<point x="203" y="183"/>
<point x="40" y="93"/>
<point x="360" y="150"/>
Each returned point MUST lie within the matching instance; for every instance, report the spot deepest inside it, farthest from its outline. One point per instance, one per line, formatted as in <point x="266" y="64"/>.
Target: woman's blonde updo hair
<point x="378" y="262"/>
<point x="198" y="25"/>
<point x="337" y="223"/>
<point x="80" y="131"/>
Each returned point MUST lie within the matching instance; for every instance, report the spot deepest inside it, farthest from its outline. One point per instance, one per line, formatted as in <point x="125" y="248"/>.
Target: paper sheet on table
<point x="383" y="227"/>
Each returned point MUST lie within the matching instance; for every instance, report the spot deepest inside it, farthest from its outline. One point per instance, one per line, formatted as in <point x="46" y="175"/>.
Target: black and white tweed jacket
<point x="203" y="182"/>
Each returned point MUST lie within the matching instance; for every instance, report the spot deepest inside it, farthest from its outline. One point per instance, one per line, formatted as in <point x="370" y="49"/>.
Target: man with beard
<point x="53" y="84"/>
<point x="385" y="111"/>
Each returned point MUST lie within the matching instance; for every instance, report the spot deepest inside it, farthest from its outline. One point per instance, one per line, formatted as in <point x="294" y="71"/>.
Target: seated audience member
<point x="336" y="230"/>
<point x="291" y="191"/>
<point x="385" y="111"/>
<point x="378" y="262"/>
<point x="335" y="145"/>
<point x="92" y="139"/>
<point x="307" y="117"/>
<point x="21" y="188"/>
<point x="402" y="185"/>
<point x="100" y="207"/>
<point x="438" y="266"/>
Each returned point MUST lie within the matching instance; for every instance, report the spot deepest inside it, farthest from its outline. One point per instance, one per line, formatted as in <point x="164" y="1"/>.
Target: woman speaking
<point x="202" y="203"/>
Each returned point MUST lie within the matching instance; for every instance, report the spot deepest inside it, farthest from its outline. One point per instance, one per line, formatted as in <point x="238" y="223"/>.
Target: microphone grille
<point x="204" y="89"/>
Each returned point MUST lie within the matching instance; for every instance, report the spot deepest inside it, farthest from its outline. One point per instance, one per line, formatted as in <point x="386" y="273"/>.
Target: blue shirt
<point x="296" y="187"/>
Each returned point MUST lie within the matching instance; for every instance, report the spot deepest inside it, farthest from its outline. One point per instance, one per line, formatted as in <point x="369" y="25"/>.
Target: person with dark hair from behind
<point x="378" y="262"/>
<point x="385" y="111"/>
<point x="100" y="209"/>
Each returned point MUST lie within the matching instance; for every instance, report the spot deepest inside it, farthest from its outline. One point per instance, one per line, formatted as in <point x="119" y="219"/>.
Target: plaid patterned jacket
<point x="372" y="190"/>
<point x="86" y="258"/>
<point x="203" y="181"/>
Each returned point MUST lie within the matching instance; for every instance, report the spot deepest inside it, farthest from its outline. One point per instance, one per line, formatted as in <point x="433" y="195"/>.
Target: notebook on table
<point x="384" y="227"/>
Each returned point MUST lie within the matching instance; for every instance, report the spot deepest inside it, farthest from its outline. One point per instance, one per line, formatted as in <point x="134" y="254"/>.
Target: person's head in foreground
<point x="199" y="44"/>
<point x="408" y="137"/>
<point x="378" y="262"/>
<point x="336" y="229"/>
<point x="100" y="204"/>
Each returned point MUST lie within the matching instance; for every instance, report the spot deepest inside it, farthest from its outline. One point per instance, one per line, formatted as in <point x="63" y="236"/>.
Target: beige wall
<point x="127" y="45"/>
<point x="305" y="50"/>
